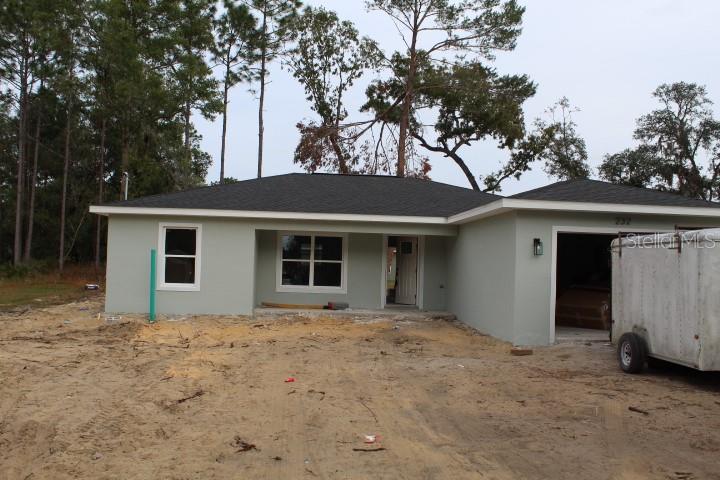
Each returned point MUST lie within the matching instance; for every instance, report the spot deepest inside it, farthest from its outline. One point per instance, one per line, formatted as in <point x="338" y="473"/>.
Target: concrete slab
<point x="580" y="335"/>
<point x="395" y="314"/>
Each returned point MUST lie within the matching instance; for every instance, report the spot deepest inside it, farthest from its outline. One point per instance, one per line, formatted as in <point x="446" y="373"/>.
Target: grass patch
<point x="48" y="288"/>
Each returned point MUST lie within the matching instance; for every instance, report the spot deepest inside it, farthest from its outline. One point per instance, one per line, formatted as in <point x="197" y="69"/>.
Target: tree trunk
<point x="188" y="152"/>
<point x="334" y="137"/>
<point x="226" y="87"/>
<point x="261" y="125"/>
<point x="17" y="246"/>
<point x="468" y="174"/>
<point x="33" y="181"/>
<point x="101" y="183"/>
<point x="342" y="161"/>
<point x="63" y="201"/>
<point x="124" y="161"/>
<point x="452" y="153"/>
<point x="407" y="104"/>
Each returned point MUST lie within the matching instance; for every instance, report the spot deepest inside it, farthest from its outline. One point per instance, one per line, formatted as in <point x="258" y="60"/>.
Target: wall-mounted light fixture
<point x="537" y="247"/>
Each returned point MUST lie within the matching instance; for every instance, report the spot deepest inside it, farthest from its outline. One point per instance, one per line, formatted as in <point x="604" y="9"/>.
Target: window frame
<point x="179" y="287"/>
<point x="280" y="288"/>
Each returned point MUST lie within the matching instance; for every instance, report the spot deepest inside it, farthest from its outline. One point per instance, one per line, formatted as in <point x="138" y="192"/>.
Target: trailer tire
<point x="631" y="352"/>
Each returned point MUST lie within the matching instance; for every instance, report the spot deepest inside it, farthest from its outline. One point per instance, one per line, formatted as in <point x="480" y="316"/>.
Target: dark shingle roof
<point x="326" y="193"/>
<point x="386" y="195"/>
<point x="595" y="191"/>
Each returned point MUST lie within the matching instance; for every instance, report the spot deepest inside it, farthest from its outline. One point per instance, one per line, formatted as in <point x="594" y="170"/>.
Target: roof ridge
<point x="253" y="180"/>
<point x="395" y="177"/>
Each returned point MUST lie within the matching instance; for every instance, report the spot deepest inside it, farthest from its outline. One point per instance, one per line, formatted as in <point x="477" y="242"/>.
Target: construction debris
<point x="521" y="351"/>
<point x="292" y="306"/>
<point x="338" y="306"/>
<point x="638" y="410"/>
<point x="197" y="394"/>
<point x="241" y="445"/>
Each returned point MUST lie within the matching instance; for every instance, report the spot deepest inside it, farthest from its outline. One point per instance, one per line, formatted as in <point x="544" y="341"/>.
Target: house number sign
<point x="623" y="220"/>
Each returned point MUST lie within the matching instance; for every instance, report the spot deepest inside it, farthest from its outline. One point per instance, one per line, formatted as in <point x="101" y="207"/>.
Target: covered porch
<point x="395" y="271"/>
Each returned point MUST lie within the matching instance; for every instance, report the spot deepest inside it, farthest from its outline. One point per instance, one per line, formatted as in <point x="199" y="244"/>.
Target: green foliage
<point x="125" y="77"/>
<point x="25" y="270"/>
<point x="237" y="41"/>
<point x="328" y="57"/>
<point x="635" y="167"/>
<point x="235" y="51"/>
<point x="443" y="71"/>
<point x="226" y="181"/>
<point x="471" y="103"/>
<point x="565" y="154"/>
<point x="438" y="34"/>
<point x="479" y="27"/>
<point x="679" y="145"/>
<point x="190" y="25"/>
<point x="275" y="20"/>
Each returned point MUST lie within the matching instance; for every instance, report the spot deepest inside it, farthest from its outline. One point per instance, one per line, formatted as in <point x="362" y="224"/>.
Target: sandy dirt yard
<point x="207" y="397"/>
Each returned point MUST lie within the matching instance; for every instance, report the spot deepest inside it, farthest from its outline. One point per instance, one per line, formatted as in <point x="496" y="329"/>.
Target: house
<point x="501" y="264"/>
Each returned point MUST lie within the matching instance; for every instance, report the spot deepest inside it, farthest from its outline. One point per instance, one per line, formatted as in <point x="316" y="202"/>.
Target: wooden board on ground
<point x="292" y="306"/>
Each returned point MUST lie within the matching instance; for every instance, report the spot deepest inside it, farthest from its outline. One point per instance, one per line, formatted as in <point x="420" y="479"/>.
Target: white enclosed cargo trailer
<point x="666" y="299"/>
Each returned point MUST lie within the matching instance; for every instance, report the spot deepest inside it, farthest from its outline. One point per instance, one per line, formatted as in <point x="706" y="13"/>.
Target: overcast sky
<point x="605" y="56"/>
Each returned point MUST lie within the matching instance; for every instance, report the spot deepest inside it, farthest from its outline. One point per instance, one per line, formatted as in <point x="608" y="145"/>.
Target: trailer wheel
<point x="631" y="353"/>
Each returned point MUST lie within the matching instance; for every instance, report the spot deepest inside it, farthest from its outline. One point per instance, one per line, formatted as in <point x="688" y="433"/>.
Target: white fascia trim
<point x="614" y="208"/>
<point x="477" y="213"/>
<point x="507" y="204"/>
<point x="197" y="212"/>
<point x="495" y="208"/>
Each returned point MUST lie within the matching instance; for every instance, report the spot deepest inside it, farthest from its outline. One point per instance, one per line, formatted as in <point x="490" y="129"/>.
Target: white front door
<point x="407" y="261"/>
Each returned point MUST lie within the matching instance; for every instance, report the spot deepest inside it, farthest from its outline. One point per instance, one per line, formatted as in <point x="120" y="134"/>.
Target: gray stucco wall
<point x="435" y="274"/>
<point x="226" y="272"/>
<point x="228" y="280"/>
<point x="486" y="274"/>
<point x="533" y="319"/>
<point x="481" y="275"/>
<point x="364" y="270"/>
<point x="497" y="285"/>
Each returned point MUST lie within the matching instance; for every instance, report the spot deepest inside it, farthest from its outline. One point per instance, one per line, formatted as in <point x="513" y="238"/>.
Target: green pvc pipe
<point x="153" y="281"/>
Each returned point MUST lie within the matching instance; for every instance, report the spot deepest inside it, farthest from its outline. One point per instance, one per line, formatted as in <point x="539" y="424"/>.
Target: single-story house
<point x="501" y="264"/>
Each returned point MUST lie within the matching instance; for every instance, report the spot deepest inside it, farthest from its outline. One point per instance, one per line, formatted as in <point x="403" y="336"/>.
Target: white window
<point x="312" y="262"/>
<point x="179" y="256"/>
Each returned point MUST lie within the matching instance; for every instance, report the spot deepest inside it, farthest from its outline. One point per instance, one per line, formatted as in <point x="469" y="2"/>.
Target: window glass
<point x="311" y="261"/>
<point x="180" y="241"/>
<point x="328" y="248"/>
<point x="406" y="248"/>
<point x="328" y="274"/>
<point x="180" y="270"/>
<point x="296" y="247"/>
<point x="295" y="273"/>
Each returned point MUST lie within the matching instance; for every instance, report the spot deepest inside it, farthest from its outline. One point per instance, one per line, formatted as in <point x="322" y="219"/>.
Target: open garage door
<point x="583" y="276"/>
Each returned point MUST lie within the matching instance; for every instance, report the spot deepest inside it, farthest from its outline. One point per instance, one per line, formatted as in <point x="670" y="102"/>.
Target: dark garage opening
<point x="583" y="277"/>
